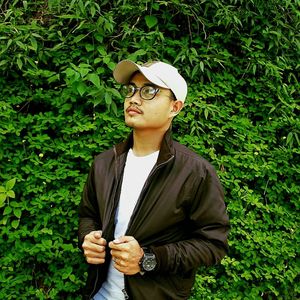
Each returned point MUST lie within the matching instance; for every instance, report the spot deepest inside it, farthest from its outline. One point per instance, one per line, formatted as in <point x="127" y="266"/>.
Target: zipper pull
<point x="125" y="294"/>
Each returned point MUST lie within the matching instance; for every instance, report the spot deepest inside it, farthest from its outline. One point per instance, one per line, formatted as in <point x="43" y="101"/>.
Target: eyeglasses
<point x="147" y="92"/>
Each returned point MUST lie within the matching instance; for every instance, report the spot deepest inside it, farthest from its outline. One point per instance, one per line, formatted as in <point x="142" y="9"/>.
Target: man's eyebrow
<point x="150" y="84"/>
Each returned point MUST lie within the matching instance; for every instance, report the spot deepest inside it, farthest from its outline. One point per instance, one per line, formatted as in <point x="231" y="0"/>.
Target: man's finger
<point x="97" y="234"/>
<point x="123" y="239"/>
<point x="119" y="242"/>
<point x="99" y="241"/>
<point x="93" y="254"/>
<point x="89" y="246"/>
<point x="95" y="261"/>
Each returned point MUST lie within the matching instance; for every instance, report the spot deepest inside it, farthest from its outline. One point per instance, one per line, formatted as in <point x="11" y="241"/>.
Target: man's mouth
<point x="133" y="110"/>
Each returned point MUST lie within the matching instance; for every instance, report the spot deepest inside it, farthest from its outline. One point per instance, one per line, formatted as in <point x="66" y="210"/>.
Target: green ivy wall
<point x="59" y="106"/>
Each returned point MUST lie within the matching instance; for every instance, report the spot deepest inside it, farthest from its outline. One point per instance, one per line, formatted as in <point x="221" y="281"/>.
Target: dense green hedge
<point x="59" y="106"/>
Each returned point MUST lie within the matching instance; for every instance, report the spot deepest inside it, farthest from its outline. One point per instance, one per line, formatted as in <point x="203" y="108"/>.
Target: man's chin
<point x="131" y="122"/>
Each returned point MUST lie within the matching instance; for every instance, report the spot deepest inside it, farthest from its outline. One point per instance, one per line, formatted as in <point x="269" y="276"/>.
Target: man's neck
<point x="146" y="142"/>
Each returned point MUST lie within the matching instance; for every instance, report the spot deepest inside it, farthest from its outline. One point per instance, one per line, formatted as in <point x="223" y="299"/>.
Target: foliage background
<point x="59" y="106"/>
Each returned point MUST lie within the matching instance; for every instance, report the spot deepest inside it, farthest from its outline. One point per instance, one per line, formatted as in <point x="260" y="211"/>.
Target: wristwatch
<point x="148" y="261"/>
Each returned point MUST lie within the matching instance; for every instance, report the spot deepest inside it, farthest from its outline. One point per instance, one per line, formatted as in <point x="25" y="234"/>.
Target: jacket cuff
<point x="161" y="255"/>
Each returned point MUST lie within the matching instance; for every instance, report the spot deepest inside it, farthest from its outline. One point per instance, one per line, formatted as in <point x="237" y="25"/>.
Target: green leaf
<point x="47" y="231"/>
<point x="70" y="72"/>
<point x="19" y="63"/>
<point x="79" y="38"/>
<point x="151" y="21"/>
<point x="111" y="65"/>
<point x="53" y="78"/>
<point x="89" y="47"/>
<point x="9" y="43"/>
<point x="206" y="113"/>
<point x="289" y="138"/>
<point x="81" y="88"/>
<point x="97" y="60"/>
<point x="67" y="272"/>
<point x="202" y="66"/>
<point x="83" y="72"/>
<point x="2" y="189"/>
<point x="3" y="62"/>
<point x="2" y="199"/>
<point x="11" y="194"/>
<point x="17" y="212"/>
<point x="297" y="138"/>
<point x="7" y="210"/>
<point x="70" y="17"/>
<point x="72" y="277"/>
<point x="106" y="59"/>
<point x="47" y="243"/>
<point x="21" y="45"/>
<point x="15" y="204"/>
<point x="34" y="44"/>
<point x="102" y="50"/>
<point x="10" y="184"/>
<point x="108" y="98"/>
<point x="114" y="108"/>
<point x="139" y="52"/>
<point x="15" y="223"/>
<point x="4" y="220"/>
<point x="94" y="78"/>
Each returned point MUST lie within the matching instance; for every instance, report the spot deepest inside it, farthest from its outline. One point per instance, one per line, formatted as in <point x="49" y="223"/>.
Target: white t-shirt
<point x="136" y="171"/>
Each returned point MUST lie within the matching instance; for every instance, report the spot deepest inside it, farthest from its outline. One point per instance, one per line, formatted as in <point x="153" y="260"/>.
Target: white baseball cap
<point x="157" y="72"/>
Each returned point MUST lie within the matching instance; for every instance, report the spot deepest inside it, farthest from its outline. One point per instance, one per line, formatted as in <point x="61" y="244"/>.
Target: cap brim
<point x="125" y="69"/>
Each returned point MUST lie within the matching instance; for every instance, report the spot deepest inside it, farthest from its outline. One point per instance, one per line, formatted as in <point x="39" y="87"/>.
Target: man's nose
<point x="136" y="99"/>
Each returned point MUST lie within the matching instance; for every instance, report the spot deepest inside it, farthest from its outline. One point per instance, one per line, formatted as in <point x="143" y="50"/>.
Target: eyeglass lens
<point x="147" y="92"/>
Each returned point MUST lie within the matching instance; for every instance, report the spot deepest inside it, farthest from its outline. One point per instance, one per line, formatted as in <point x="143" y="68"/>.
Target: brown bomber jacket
<point x="180" y="215"/>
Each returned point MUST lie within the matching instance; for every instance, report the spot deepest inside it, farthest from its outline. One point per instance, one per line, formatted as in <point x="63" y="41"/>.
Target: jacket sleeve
<point x="89" y="219"/>
<point x="208" y="226"/>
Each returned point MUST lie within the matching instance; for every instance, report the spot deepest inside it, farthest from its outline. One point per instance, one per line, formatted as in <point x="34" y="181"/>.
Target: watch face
<point x="149" y="262"/>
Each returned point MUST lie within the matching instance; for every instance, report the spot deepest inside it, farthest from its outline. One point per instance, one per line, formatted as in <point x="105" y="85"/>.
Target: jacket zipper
<point x="137" y="204"/>
<point x="125" y="292"/>
<point x="145" y="186"/>
<point x="95" y="283"/>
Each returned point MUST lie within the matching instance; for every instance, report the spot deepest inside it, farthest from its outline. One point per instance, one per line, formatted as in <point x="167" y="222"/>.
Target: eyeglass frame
<point x="156" y="89"/>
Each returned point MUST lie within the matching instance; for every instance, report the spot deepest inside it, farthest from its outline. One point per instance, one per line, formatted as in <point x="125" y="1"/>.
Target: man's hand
<point x="94" y="247"/>
<point x="126" y="253"/>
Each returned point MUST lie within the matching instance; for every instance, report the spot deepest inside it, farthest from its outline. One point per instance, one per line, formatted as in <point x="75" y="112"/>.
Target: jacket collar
<point x="166" y="149"/>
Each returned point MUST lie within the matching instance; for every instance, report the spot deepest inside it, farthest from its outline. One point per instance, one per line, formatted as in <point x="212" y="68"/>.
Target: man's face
<point x="155" y="114"/>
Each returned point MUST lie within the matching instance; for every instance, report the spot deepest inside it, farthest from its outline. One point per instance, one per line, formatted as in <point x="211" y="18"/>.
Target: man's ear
<point x="176" y="108"/>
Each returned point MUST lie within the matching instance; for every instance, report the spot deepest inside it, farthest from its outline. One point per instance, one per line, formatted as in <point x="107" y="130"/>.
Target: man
<point x="152" y="211"/>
